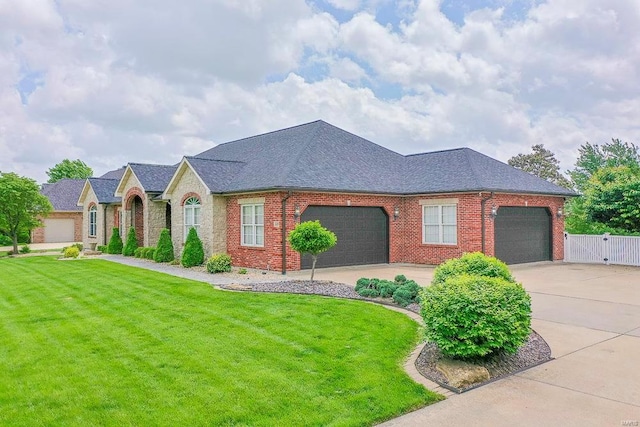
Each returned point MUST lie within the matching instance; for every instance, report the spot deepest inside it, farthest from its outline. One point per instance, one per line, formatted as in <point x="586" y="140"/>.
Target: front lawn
<point x="90" y="342"/>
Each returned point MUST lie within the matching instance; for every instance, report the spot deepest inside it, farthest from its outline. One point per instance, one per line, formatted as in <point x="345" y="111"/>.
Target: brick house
<point x="64" y="223"/>
<point x="243" y="197"/>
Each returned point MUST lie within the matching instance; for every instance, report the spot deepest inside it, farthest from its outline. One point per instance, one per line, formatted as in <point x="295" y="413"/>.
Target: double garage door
<point x="523" y="235"/>
<point x="362" y="232"/>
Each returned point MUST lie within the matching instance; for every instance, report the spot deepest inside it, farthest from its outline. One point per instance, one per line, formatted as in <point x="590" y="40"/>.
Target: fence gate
<point x="602" y="249"/>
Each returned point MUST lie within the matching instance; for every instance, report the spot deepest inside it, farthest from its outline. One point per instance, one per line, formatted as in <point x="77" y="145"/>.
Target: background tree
<point x="76" y="169"/>
<point x="592" y="157"/>
<point x="312" y="238"/>
<point x="21" y="205"/>
<point x="612" y="197"/>
<point x="541" y="162"/>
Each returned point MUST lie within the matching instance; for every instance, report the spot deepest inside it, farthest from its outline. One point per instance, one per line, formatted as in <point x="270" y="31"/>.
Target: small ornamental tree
<point x="164" y="249"/>
<point x="132" y="243"/>
<point x="311" y="238"/>
<point x="193" y="252"/>
<point x="115" y="243"/>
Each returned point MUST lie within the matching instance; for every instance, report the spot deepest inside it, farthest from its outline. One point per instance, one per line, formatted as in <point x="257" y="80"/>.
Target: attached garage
<point x="523" y="234"/>
<point x="58" y="230"/>
<point x="362" y="232"/>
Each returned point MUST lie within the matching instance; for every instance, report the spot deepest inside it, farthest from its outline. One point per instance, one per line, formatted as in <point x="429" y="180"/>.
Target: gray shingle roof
<point x="319" y="156"/>
<point x="105" y="189"/>
<point x="216" y="174"/>
<point x="64" y="194"/>
<point x="114" y="174"/>
<point x="153" y="178"/>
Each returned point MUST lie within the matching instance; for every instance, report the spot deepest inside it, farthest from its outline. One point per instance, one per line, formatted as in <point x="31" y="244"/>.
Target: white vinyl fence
<point x="602" y="249"/>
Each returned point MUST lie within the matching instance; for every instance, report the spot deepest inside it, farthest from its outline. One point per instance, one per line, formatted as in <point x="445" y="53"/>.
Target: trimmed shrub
<point x="407" y="293"/>
<point x="473" y="316"/>
<point x="115" y="243"/>
<point x="475" y="264"/>
<point x="164" y="250"/>
<point x="71" y="252"/>
<point x="387" y="288"/>
<point x="149" y="252"/>
<point x="219" y="263"/>
<point x="193" y="252"/>
<point x="80" y="246"/>
<point x="400" y="279"/>
<point x="138" y="252"/>
<point x="25" y="249"/>
<point x="132" y="243"/>
<point x="102" y="248"/>
<point x="367" y="288"/>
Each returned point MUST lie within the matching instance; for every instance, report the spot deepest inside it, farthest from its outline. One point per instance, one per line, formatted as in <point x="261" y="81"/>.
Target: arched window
<point x="191" y="215"/>
<point x="93" y="221"/>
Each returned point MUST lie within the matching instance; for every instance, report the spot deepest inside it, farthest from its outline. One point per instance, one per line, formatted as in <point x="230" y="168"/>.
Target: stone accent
<point x="462" y="374"/>
<point x="213" y="217"/>
<point x="152" y="216"/>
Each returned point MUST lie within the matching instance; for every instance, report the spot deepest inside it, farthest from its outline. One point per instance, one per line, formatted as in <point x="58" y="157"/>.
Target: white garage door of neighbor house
<point x="58" y="230"/>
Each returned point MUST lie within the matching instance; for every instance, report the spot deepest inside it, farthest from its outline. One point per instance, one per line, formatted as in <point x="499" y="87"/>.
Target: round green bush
<point x="474" y="263"/>
<point x="474" y="316"/>
<point x="407" y="293"/>
<point x="219" y="263"/>
<point x="138" y="252"/>
<point x="71" y="252"/>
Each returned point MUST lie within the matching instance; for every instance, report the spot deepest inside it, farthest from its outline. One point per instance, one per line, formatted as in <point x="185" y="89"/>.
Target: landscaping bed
<point x="534" y="352"/>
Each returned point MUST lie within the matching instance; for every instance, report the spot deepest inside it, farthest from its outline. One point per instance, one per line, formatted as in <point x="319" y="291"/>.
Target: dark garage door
<point x="362" y="232"/>
<point x="523" y="234"/>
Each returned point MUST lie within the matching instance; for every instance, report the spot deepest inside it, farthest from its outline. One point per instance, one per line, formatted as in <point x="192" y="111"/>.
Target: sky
<point x="117" y="81"/>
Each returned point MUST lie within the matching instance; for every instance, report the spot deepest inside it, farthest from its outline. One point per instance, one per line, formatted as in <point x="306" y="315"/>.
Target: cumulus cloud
<point x="150" y="81"/>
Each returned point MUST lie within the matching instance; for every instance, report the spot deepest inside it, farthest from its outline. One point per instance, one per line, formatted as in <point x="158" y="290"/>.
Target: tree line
<point x="607" y="179"/>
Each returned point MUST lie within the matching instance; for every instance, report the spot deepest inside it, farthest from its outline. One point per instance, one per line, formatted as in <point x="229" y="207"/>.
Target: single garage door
<point x="523" y="234"/>
<point x="362" y="232"/>
<point x="58" y="230"/>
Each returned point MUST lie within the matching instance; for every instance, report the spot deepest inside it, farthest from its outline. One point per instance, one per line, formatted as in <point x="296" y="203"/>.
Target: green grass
<point x="96" y="343"/>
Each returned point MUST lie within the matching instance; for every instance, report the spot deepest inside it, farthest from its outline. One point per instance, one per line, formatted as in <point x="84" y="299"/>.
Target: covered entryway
<point x="137" y="218"/>
<point x="59" y="230"/>
<point x="523" y="234"/>
<point x="362" y="232"/>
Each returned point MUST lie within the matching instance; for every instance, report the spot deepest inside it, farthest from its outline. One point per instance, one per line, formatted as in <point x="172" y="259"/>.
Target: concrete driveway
<point x="589" y="315"/>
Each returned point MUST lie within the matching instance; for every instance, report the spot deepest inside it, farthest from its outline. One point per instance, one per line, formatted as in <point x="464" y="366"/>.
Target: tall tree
<point x="612" y="197"/>
<point x="541" y="162"/>
<point x="21" y="205"/>
<point x="593" y="157"/>
<point x="76" y="169"/>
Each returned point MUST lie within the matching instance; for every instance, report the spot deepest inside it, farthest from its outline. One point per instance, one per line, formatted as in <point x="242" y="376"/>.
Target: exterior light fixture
<point x="396" y="213"/>
<point x="296" y="212"/>
<point x="494" y="211"/>
<point x="560" y="212"/>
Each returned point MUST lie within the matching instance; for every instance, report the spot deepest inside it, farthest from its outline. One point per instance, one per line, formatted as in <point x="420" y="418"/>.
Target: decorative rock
<point x="462" y="374"/>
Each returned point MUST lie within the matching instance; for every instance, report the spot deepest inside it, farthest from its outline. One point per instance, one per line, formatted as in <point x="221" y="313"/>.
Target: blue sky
<point x="153" y="80"/>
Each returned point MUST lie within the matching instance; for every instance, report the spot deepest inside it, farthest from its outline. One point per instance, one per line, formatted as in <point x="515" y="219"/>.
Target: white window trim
<point x="93" y="221"/>
<point x="440" y="223"/>
<point x="254" y="226"/>
<point x="189" y="209"/>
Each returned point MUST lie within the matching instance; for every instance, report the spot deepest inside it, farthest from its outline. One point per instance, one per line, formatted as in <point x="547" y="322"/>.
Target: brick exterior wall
<point x="105" y="221"/>
<point x="150" y="220"/>
<point x="405" y="233"/>
<point x="37" y="234"/>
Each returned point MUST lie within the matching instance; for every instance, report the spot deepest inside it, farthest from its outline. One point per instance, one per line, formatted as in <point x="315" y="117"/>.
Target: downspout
<point x="104" y="225"/>
<point x="483" y="202"/>
<point x="284" y="233"/>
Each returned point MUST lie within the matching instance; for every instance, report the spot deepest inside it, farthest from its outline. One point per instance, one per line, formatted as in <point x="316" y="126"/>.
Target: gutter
<point x="284" y="233"/>
<point x="483" y="203"/>
<point x="104" y="225"/>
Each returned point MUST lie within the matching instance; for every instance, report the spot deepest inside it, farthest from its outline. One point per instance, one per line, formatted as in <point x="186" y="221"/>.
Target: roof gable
<point x="152" y="178"/>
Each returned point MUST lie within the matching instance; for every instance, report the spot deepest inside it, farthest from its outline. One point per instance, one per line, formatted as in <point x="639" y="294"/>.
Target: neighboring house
<point x="244" y="197"/>
<point x="64" y="223"/>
